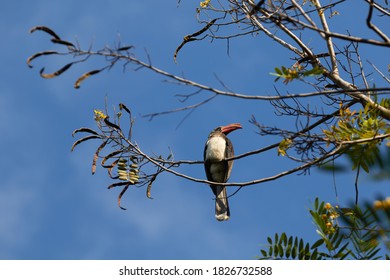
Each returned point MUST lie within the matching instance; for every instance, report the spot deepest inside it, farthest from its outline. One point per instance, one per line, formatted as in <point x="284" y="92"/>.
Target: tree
<point x="351" y="116"/>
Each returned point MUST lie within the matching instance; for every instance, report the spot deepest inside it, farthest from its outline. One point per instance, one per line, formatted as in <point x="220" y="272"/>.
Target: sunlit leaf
<point x="85" y="76"/>
<point x="56" y="73"/>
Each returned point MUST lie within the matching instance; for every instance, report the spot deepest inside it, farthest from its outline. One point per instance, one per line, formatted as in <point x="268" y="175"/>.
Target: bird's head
<point x="228" y="128"/>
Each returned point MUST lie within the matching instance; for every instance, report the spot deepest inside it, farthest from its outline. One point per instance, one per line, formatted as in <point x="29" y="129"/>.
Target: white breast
<point x="215" y="149"/>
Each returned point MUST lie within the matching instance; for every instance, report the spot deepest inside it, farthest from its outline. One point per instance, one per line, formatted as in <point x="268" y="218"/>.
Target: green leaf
<point x="276" y="250"/>
<point x="283" y="238"/>
<point x="337" y="240"/>
<point x="314" y="255"/>
<point x="317" y="244"/>
<point x="307" y="251"/>
<point x="365" y="167"/>
<point x="300" y="247"/>
<point x="371" y="256"/>
<point x="290" y="241"/>
<point x="316" y="203"/>
<point x="281" y="252"/>
<point x="294" y="251"/>
<point x="341" y="254"/>
<point x="288" y="251"/>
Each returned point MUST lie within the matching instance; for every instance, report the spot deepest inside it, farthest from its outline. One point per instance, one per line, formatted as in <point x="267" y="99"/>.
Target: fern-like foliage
<point x="345" y="233"/>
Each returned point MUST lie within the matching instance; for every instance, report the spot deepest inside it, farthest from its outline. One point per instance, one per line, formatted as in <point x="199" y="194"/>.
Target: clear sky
<point x="53" y="208"/>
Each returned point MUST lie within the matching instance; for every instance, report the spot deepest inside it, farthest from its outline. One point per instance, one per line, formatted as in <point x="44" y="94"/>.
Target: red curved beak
<point x="230" y="127"/>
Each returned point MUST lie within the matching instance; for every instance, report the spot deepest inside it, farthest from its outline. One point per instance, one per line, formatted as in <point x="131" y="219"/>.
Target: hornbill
<point x="218" y="148"/>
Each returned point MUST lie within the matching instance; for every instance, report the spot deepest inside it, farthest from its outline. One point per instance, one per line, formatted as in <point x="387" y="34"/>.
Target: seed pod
<point x="131" y="181"/>
<point x="123" y="177"/>
<point x="122" y="173"/>
<point x="134" y="165"/>
<point x="134" y="171"/>
<point x="122" y="167"/>
<point x="134" y="176"/>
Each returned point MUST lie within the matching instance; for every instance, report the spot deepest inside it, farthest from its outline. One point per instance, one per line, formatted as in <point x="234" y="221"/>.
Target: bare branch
<point x="374" y="27"/>
<point x="328" y="39"/>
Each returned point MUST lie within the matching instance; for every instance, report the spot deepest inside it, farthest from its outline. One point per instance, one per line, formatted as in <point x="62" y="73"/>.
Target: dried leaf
<point x="83" y="139"/>
<point x="110" y="167"/>
<point x="148" y="190"/>
<point x="34" y="56"/>
<point x="84" y="76"/>
<point x="185" y="41"/>
<point x="123" y="106"/>
<point x="121" y="194"/>
<point x="84" y="129"/>
<point x="203" y="29"/>
<point x="125" y="48"/>
<point x="56" y="73"/>
<point x="107" y="122"/>
<point x="110" y="155"/>
<point x="45" y="29"/>
<point x="63" y="42"/>
<point x="96" y="156"/>
<point x="117" y="184"/>
<point x="191" y="37"/>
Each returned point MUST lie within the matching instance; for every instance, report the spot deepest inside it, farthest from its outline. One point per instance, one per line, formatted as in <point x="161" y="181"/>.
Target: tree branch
<point x="332" y="53"/>
<point x="372" y="26"/>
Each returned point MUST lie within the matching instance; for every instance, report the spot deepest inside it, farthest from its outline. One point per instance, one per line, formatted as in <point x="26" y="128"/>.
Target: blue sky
<point x="53" y="208"/>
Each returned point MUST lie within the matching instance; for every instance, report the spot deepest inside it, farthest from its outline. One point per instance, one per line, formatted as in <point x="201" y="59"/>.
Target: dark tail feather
<point x="222" y="212"/>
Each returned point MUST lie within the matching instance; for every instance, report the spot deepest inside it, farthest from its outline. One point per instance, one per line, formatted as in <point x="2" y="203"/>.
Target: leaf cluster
<point x="367" y="228"/>
<point x="75" y="51"/>
<point x="124" y="161"/>
<point x="296" y="72"/>
<point x="289" y="247"/>
<point x="345" y="233"/>
<point x="359" y="131"/>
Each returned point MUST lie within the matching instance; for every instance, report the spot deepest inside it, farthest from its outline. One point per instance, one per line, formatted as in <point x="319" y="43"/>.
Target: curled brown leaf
<point x="96" y="156"/>
<point x="121" y="194"/>
<point x="84" y="76"/>
<point x="56" y="73"/>
<point x="110" y="155"/>
<point x="45" y="29"/>
<point x="84" y="129"/>
<point x="107" y="122"/>
<point x="63" y="42"/>
<point x="82" y="140"/>
<point x="34" y="56"/>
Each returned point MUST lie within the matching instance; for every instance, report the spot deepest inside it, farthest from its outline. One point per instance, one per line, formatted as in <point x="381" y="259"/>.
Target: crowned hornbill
<point x="218" y="148"/>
